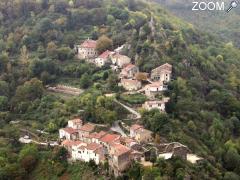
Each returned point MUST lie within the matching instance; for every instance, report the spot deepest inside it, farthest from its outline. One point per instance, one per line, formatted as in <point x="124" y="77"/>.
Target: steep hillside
<point x="224" y="25"/>
<point x="37" y="41"/>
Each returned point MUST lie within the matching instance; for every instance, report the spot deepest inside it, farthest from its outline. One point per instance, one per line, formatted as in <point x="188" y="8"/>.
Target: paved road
<point x="115" y="127"/>
<point x="133" y="111"/>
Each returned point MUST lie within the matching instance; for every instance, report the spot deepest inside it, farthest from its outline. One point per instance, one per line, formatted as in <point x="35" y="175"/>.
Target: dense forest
<point x="37" y="39"/>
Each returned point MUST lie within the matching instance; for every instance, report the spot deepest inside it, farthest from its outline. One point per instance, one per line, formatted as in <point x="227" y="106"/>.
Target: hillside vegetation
<point x="36" y="49"/>
<point x="219" y="23"/>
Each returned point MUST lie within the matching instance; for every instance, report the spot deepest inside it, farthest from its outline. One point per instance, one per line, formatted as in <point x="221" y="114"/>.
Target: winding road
<point x="116" y="127"/>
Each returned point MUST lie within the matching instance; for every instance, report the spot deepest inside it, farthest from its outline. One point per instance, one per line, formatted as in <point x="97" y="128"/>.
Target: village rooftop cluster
<point x="128" y="73"/>
<point x="84" y="143"/>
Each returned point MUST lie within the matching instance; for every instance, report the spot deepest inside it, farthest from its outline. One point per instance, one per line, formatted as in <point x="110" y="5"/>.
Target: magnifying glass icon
<point x="233" y="4"/>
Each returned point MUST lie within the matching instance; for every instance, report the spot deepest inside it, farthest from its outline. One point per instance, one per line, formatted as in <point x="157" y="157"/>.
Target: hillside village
<point x="115" y="89"/>
<point x="86" y="144"/>
<point x="154" y="84"/>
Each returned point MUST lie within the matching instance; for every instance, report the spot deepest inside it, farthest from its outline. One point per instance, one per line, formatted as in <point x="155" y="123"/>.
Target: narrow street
<point x="116" y="128"/>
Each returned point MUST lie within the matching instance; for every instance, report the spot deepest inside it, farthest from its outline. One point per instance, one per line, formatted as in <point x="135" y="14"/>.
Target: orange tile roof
<point x="87" y="127"/>
<point x="155" y="84"/>
<point x="106" y="54"/>
<point x="119" y="149"/>
<point x="89" y="44"/>
<point x="136" y="126"/>
<point x="69" y="130"/>
<point x="97" y="135"/>
<point x="71" y="143"/>
<point x="109" y="138"/>
<point x="93" y="146"/>
<point x="129" y="67"/>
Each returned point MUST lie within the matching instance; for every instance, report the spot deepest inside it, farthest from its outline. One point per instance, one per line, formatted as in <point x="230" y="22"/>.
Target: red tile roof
<point x="69" y="130"/>
<point x="87" y="127"/>
<point x="89" y="44"/>
<point x="109" y="138"/>
<point x="119" y="149"/>
<point x="106" y="54"/>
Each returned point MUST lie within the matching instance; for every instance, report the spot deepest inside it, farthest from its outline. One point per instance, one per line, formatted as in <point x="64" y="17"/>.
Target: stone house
<point x="130" y="84"/>
<point x="120" y="60"/>
<point x="75" y="123"/>
<point x="95" y="137"/>
<point x="159" y="104"/>
<point x="68" y="133"/>
<point x="155" y="88"/>
<point x="140" y="134"/>
<point x="129" y="71"/>
<point x="144" y="136"/>
<point x="69" y="145"/>
<point x="119" y="160"/>
<point x="133" y="129"/>
<point x="103" y="58"/>
<point x="85" y="130"/>
<point x="162" y="73"/>
<point x="87" y="49"/>
<point x="108" y="139"/>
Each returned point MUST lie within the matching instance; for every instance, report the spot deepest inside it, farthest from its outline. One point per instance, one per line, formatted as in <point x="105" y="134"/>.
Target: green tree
<point x="85" y="81"/>
<point x="28" y="150"/>
<point x="104" y="43"/>
<point x="3" y="103"/>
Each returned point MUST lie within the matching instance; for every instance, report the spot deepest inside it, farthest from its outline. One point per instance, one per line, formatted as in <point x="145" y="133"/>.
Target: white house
<point x="92" y="151"/>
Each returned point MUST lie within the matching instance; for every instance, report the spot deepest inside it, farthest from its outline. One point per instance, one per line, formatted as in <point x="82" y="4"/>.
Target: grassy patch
<point x="134" y="98"/>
